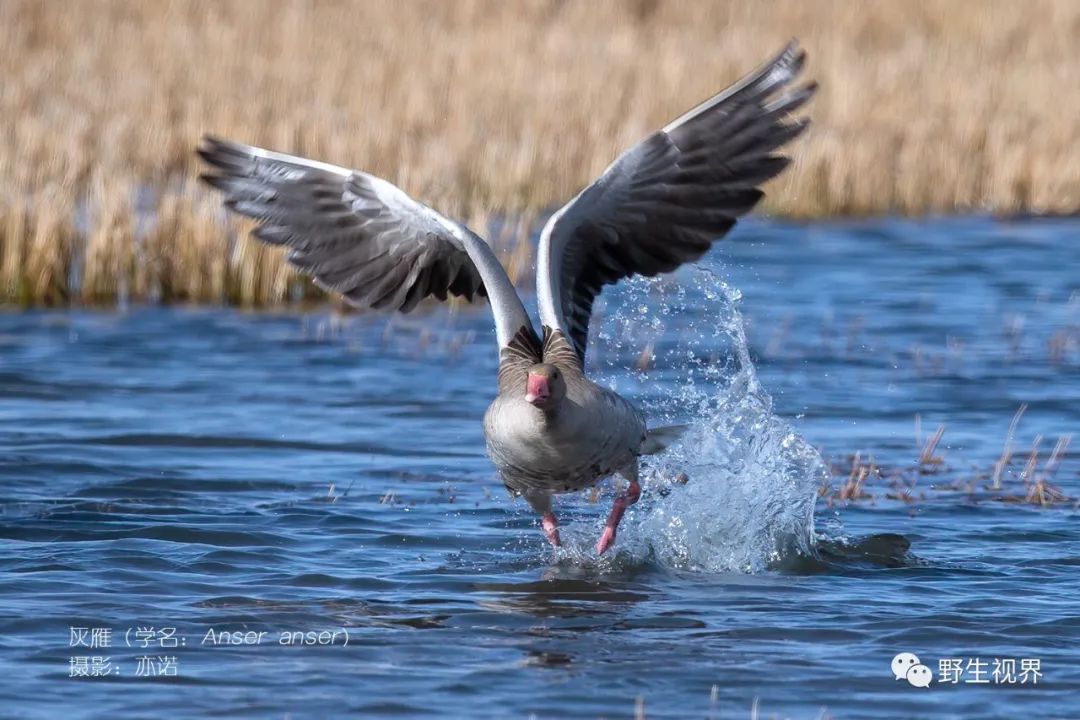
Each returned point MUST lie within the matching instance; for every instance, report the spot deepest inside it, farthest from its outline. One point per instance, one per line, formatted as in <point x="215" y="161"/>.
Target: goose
<point x="662" y="203"/>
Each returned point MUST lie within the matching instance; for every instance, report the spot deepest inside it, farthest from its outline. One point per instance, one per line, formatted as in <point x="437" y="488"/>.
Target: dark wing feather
<point x="665" y="201"/>
<point x="353" y="233"/>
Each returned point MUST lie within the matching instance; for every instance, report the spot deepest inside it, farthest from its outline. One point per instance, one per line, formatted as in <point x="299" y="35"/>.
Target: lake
<point x="209" y="512"/>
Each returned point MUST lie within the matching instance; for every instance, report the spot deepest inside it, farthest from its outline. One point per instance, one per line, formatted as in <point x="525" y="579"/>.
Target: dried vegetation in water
<point x="489" y="109"/>
<point x="1016" y="478"/>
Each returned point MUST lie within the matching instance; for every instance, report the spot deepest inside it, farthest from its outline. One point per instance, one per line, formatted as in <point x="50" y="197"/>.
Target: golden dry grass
<point x="487" y="108"/>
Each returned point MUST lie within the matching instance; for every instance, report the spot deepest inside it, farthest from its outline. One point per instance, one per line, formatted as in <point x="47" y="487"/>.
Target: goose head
<point x="545" y="386"/>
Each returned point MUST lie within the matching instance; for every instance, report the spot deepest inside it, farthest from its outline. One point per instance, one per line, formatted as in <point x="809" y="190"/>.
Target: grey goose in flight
<point x="661" y="204"/>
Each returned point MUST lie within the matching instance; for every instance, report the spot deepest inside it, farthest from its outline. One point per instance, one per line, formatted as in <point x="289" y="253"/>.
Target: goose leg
<point x="623" y="501"/>
<point x="541" y="503"/>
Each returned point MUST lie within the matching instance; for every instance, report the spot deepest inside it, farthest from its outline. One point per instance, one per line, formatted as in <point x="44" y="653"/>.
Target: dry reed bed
<point x="490" y="109"/>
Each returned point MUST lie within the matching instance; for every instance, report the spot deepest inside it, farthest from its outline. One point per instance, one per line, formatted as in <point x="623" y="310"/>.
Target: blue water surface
<point x="182" y="478"/>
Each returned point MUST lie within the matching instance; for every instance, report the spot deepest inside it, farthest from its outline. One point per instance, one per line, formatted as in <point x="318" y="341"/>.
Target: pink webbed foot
<point x="551" y="529"/>
<point x="607" y="538"/>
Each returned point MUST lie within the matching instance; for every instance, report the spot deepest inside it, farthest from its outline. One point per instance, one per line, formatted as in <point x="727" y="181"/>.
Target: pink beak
<point x="536" y="389"/>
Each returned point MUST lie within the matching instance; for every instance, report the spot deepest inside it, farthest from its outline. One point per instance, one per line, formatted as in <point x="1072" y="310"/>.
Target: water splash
<point x="753" y="481"/>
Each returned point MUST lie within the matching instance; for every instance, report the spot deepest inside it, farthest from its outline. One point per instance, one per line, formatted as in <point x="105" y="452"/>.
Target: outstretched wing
<point x="665" y="201"/>
<point x="359" y="235"/>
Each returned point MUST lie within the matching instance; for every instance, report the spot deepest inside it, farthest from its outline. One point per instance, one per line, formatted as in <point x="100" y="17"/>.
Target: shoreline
<point x="224" y="268"/>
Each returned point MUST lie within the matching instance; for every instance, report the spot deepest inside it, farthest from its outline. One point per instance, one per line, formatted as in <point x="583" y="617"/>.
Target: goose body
<point x="592" y="434"/>
<point x="661" y="204"/>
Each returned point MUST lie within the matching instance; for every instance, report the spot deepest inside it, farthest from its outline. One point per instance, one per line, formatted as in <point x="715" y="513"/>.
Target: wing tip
<point x="218" y="182"/>
<point x="760" y="83"/>
<point x="791" y="56"/>
<point x="783" y="68"/>
<point x="221" y="154"/>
